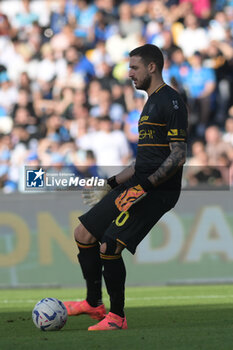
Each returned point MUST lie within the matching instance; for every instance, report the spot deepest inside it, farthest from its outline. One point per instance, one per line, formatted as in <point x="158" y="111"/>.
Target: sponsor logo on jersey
<point x="151" y="108"/>
<point x="175" y="104"/>
<point x="172" y="132"/>
<point x="143" y="134"/>
<point x="143" y="118"/>
<point x="183" y="132"/>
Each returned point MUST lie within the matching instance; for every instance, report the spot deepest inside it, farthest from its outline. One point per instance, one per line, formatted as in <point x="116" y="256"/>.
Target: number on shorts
<point x="121" y="219"/>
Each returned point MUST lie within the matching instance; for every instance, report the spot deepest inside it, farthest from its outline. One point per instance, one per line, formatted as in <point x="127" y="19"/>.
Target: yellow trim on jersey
<point x="154" y="144"/>
<point x="155" y="92"/>
<point x="173" y="132"/>
<point x="118" y="240"/>
<point x="110" y="257"/>
<point x="176" y="139"/>
<point x="141" y="123"/>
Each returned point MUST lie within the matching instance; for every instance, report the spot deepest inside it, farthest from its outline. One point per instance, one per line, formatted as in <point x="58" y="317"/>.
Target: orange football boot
<point x="75" y="308"/>
<point x="111" y="322"/>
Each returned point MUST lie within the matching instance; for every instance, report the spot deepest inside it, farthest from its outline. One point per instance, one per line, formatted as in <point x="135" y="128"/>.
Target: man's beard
<point x="145" y="83"/>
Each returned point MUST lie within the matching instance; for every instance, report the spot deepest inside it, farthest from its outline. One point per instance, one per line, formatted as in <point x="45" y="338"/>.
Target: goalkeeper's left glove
<point x="132" y="195"/>
<point x="93" y="195"/>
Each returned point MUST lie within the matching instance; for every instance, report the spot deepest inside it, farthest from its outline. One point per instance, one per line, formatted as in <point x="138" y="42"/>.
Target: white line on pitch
<point x="179" y="297"/>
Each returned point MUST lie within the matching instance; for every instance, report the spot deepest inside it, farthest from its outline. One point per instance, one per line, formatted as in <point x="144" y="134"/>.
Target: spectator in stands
<point x="70" y="79"/>
<point x="215" y="145"/>
<point x="46" y="70"/>
<point x="93" y="91"/>
<point x="55" y="129"/>
<point x="117" y="92"/>
<point x="106" y="107"/>
<point x="80" y="133"/>
<point x="200" y="85"/>
<point x="121" y="68"/>
<point x="43" y="98"/>
<point x="24" y="82"/>
<point x="8" y="92"/>
<point x="131" y="122"/>
<point x="206" y="176"/>
<point x="98" y="57"/>
<point x="84" y="16"/>
<point x="228" y="134"/>
<point x="104" y="26"/>
<point x="25" y="17"/>
<point x="196" y="160"/>
<point x="168" y="70"/>
<point x="193" y="37"/>
<point x="127" y="23"/>
<point x="24" y="101"/>
<point x="5" y="27"/>
<point x="22" y="118"/>
<point x="65" y="103"/>
<point x="85" y="165"/>
<point x="217" y="25"/>
<point x="84" y="67"/>
<point x="58" y="17"/>
<point x="224" y="164"/>
<point x="222" y="66"/>
<point x="109" y="146"/>
<point x="180" y="66"/>
<point x="201" y="8"/>
<point x="62" y="40"/>
<point x="5" y="154"/>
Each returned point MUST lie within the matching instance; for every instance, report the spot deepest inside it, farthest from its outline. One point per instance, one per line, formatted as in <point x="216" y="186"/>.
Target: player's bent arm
<point x="121" y="177"/>
<point x="174" y="161"/>
<point x="125" y="174"/>
<point x="169" y="167"/>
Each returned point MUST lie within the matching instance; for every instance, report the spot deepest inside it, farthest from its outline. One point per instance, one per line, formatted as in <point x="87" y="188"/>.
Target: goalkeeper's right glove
<point x="132" y="195"/>
<point x="129" y="197"/>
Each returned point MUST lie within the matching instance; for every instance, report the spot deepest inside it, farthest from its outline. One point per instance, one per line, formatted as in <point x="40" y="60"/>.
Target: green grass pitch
<point x="159" y="318"/>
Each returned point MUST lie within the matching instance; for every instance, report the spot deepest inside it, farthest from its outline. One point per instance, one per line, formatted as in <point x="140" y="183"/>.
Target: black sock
<point x="91" y="265"/>
<point x="114" y="275"/>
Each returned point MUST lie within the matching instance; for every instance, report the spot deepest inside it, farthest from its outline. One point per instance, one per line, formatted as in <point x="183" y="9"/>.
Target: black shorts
<point x="130" y="227"/>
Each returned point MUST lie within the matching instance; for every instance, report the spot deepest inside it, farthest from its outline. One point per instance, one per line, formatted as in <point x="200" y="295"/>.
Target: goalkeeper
<point x="135" y="199"/>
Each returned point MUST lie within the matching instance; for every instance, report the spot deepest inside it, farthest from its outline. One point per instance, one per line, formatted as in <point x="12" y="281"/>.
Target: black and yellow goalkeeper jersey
<point x="164" y="119"/>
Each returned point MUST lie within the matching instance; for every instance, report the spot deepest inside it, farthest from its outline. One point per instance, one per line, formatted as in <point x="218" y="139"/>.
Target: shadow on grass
<point x="203" y="327"/>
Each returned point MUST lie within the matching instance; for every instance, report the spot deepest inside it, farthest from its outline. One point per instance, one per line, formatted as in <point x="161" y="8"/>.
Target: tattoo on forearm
<point x="173" y="162"/>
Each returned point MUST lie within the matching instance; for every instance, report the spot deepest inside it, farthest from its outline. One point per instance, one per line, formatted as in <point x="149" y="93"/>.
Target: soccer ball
<point x="49" y="314"/>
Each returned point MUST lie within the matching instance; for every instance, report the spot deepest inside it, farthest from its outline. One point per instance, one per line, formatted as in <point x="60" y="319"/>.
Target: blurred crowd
<point x="65" y="96"/>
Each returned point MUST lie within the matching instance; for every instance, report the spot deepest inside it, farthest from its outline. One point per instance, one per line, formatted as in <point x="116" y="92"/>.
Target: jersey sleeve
<point x="177" y="122"/>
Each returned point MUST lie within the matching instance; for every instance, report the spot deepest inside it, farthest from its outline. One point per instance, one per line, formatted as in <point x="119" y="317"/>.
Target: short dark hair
<point x="149" y="53"/>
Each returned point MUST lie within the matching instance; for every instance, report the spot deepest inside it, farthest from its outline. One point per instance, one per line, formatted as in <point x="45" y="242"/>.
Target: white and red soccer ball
<point x="49" y="314"/>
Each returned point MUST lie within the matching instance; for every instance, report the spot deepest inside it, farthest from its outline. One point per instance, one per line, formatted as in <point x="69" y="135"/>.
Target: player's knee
<point x="110" y="247"/>
<point x="103" y="248"/>
<point x="82" y="235"/>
